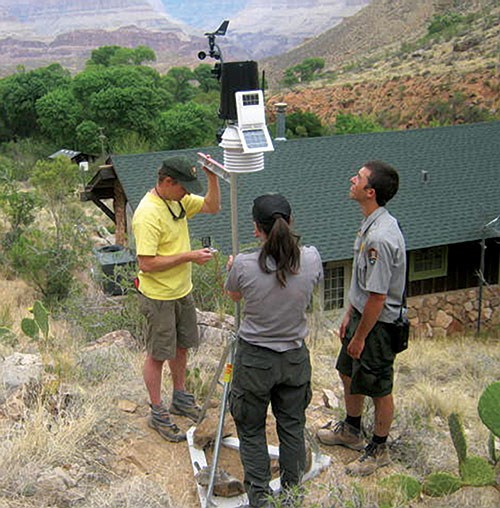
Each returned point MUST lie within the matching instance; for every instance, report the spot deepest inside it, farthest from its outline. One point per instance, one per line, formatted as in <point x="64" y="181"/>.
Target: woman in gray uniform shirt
<point x="272" y="362"/>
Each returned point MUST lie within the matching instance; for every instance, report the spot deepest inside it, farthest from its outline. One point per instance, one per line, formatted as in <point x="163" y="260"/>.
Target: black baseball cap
<point x="266" y="208"/>
<point x="180" y="169"/>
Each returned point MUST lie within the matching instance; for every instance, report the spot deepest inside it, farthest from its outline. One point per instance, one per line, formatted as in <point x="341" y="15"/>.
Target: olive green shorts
<point x="373" y="373"/>
<point x="170" y="324"/>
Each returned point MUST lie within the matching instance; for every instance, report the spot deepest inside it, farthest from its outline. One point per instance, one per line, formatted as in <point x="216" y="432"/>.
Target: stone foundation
<point x="443" y="314"/>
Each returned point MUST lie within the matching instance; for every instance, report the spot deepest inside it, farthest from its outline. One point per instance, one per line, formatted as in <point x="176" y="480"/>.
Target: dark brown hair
<point x="282" y="244"/>
<point x="384" y="179"/>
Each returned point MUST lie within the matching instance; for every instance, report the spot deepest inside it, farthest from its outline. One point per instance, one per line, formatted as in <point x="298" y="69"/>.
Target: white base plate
<point x="198" y="460"/>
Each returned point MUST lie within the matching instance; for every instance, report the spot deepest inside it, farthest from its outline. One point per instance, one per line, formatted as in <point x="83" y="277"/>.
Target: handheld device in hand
<point x="206" y="242"/>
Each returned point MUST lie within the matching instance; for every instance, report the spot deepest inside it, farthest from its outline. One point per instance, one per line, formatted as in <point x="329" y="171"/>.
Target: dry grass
<point x="114" y="461"/>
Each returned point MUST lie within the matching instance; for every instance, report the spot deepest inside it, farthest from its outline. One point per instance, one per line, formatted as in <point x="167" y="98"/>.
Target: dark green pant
<point x="283" y="379"/>
<point x="373" y="373"/>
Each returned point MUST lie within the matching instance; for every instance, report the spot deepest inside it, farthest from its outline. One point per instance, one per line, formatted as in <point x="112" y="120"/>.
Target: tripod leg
<point x="220" y="426"/>
<point x="214" y="382"/>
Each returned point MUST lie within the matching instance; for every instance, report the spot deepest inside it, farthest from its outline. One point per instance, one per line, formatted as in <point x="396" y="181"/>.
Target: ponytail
<point x="283" y="246"/>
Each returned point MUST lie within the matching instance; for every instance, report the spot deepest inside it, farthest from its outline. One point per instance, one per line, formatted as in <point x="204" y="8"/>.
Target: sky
<point x="205" y="13"/>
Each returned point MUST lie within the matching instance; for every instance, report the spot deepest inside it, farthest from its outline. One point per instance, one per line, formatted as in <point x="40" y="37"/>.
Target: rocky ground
<point x="83" y="442"/>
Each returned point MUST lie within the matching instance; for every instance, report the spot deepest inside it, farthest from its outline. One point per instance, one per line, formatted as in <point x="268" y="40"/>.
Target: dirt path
<point x="146" y="453"/>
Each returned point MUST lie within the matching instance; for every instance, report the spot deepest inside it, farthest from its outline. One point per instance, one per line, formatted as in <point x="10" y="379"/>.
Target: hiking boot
<point x="342" y="434"/>
<point x="374" y="456"/>
<point x="159" y="420"/>
<point x="183" y="404"/>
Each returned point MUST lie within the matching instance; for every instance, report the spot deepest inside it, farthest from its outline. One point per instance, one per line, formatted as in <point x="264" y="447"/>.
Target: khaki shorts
<point x="373" y="373"/>
<point x="170" y="324"/>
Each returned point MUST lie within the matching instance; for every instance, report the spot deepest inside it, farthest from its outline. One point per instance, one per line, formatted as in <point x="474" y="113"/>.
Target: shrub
<point x="18" y="207"/>
<point x="304" y="72"/>
<point x="348" y="123"/>
<point x="444" y="23"/>
<point x="40" y="262"/>
<point x="208" y="285"/>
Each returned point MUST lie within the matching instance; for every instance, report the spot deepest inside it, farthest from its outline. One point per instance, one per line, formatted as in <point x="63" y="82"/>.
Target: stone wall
<point x="452" y="312"/>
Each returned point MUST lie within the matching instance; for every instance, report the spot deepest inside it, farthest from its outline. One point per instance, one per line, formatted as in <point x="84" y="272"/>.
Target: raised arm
<point x="212" y="197"/>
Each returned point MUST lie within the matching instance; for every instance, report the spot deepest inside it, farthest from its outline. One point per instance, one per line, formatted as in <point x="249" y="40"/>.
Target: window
<point x="429" y="263"/>
<point x="334" y="287"/>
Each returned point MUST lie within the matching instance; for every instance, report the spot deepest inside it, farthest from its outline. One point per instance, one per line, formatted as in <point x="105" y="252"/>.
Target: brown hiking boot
<point x="159" y="420"/>
<point x="374" y="456"/>
<point x="341" y="434"/>
<point x="183" y="404"/>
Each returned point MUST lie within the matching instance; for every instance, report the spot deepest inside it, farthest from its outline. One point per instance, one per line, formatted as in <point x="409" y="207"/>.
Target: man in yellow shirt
<point x="164" y="256"/>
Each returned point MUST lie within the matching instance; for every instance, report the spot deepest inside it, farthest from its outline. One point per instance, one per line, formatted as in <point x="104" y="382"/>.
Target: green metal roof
<point x="462" y="193"/>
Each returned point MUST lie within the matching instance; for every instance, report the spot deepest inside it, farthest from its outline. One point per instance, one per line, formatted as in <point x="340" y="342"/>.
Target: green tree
<point x="132" y="108"/>
<point x="203" y="74"/>
<point x="187" y="125"/>
<point x="19" y="93"/>
<point x="102" y="55"/>
<point x="88" y="137"/>
<point x="90" y="82"/>
<point x="120" y="100"/>
<point x="177" y="83"/>
<point x="58" y="115"/>
<point x="303" y="124"/>
<point x="108" y="56"/>
<point x="143" y="54"/>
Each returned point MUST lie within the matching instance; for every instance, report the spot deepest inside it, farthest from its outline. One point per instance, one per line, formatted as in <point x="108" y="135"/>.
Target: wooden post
<point x="119" y="206"/>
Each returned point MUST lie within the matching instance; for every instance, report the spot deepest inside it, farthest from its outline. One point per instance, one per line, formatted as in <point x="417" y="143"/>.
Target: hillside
<point x="380" y="26"/>
<point x="401" y="85"/>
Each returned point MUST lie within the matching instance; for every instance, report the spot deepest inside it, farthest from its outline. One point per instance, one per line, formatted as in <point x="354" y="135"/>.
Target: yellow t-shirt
<point x="158" y="234"/>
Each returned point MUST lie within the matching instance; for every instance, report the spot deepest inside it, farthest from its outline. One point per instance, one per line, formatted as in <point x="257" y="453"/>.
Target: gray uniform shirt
<point x="274" y="317"/>
<point x="379" y="264"/>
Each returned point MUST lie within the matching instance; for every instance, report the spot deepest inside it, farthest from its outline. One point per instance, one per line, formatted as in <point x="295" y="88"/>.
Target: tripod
<point x="226" y="361"/>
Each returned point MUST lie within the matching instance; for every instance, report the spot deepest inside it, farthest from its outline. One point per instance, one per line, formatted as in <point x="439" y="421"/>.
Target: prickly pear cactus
<point x="441" y="484"/>
<point x="492" y="451"/>
<point x="30" y="328"/>
<point x="397" y="489"/>
<point x="41" y="315"/>
<point x="489" y="408"/>
<point x="477" y="472"/>
<point x="458" y="436"/>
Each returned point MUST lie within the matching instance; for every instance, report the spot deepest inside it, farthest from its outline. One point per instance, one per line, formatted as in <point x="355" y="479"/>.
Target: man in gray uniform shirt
<point x="365" y="362"/>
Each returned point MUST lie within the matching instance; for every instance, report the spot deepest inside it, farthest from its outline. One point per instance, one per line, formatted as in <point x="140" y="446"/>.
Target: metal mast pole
<point x="229" y="364"/>
<point x="481" y="283"/>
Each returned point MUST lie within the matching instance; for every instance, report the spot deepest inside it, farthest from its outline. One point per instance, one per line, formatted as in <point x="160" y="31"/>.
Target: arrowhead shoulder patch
<point x="372" y="256"/>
